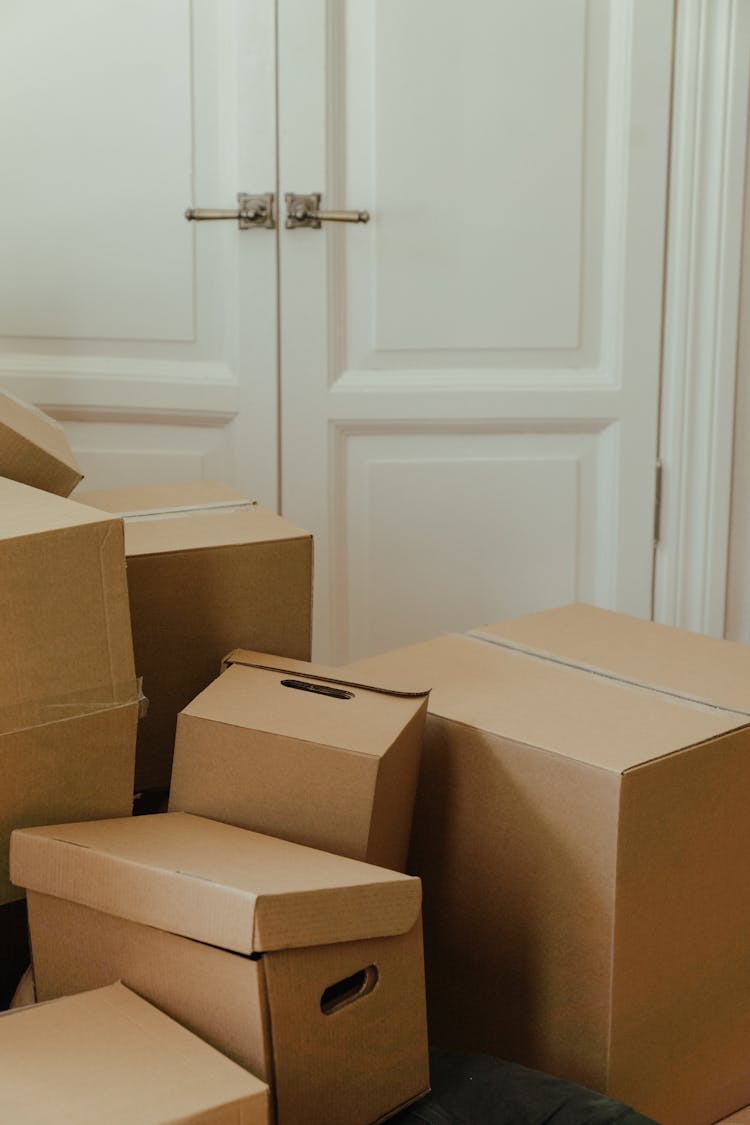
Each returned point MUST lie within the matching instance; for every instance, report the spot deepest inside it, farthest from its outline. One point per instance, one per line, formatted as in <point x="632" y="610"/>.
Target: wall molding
<point x="123" y="397"/>
<point x="707" y="183"/>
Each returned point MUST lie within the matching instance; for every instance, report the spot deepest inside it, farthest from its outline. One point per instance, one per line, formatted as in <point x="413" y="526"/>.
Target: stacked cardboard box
<point x="579" y="822"/>
<point x="68" y="694"/>
<point x="208" y="571"/>
<point x="582" y="835"/>
<point x="291" y="749"/>
<point x="303" y="966"/>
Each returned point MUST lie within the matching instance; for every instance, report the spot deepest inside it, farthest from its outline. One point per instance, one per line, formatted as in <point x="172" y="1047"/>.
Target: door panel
<point x="153" y="339"/>
<point x="470" y="382"/>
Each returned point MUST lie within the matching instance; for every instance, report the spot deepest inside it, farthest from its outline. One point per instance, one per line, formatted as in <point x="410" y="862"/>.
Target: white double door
<point x="458" y="398"/>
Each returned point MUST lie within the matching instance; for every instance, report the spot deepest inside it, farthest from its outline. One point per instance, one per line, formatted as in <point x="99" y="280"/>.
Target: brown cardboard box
<point x="208" y="571"/>
<point x="68" y="697"/>
<point x="286" y="748"/>
<point x="110" y="1056"/>
<point x="741" y="1118"/>
<point x="304" y="967"/>
<point x="583" y="842"/>
<point x="34" y="449"/>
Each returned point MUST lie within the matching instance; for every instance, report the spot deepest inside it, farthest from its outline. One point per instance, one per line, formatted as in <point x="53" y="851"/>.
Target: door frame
<point x="701" y="311"/>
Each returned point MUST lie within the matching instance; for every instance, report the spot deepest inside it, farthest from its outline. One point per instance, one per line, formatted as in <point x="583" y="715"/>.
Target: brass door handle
<point x="252" y="211"/>
<point x="304" y="211"/>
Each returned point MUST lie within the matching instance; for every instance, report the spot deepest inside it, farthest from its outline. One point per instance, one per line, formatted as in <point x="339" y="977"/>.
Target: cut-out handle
<point x="318" y="689"/>
<point x="346" y="991"/>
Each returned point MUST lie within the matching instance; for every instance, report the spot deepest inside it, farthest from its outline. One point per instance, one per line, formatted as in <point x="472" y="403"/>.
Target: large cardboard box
<point x="208" y="571"/>
<point x="582" y="834"/>
<point x="110" y="1056"/>
<point x="34" y="448"/>
<point x="68" y="696"/>
<point x="286" y="748"/>
<point x="304" y="967"/>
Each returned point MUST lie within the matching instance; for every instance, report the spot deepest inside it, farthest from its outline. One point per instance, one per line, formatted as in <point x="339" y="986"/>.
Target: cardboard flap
<point x="690" y="666"/>
<point x="562" y="709"/>
<point x="322" y="673"/>
<point x="214" y="883"/>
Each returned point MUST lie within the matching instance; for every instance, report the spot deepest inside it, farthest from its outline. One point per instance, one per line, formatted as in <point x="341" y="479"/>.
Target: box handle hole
<point x="318" y="689"/>
<point x="346" y="991"/>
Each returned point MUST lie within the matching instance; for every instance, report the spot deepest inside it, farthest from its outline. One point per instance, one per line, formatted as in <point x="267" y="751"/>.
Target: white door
<point x="470" y="381"/>
<point x="152" y="338"/>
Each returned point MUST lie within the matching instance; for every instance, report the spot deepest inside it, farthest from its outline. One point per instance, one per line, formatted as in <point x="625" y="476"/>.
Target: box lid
<point x="537" y="702"/>
<point x="675" y="661"/>
<point x="34" y="448"/>
<point x="108" y="1055"/>
<point x="214" y="883"/>
<point x="306" y="702"/>
<point x="161" y="519"/>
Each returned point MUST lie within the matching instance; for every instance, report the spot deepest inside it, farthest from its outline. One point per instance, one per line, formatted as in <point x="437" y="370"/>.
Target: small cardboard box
<point x="34" y="449"/>
<point x="582" y="834"/>
<point x="68" y="694"/>
<point x="110" y="1056"/>
<point x="208" y="571"/>
<point x="287" y="749"/>
<point x="304" y="967"/>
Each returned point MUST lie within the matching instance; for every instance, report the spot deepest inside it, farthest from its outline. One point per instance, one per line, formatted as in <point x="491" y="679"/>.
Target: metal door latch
<point x="304" y="211"/>
<point x="252" y="211"/>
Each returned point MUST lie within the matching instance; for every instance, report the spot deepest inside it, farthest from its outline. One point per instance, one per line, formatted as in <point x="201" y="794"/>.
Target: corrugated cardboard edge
<point x="529" y="650"/>
<point x="266" y="662"/>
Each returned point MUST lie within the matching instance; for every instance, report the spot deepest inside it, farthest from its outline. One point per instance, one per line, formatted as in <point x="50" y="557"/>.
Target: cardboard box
<point x="208" y="571"/>
<point x="34" y="449"/>
<point x="287" y="749"/>
<point x="581" y="831"/>
<point x="741" y="1118"/>
<point x="109" y="1056"/>
<point x="68" y="694"/>
<point x="304" y="967"/>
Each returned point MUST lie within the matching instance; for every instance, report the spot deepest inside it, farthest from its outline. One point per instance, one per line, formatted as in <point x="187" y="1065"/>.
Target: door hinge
<point x="657" y="499"/>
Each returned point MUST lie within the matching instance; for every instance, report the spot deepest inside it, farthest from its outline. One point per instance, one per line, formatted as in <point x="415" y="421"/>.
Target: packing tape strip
<point x="28" y="713"/>
<point x="540" y="654"/>
<point x="218" y="507"/>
